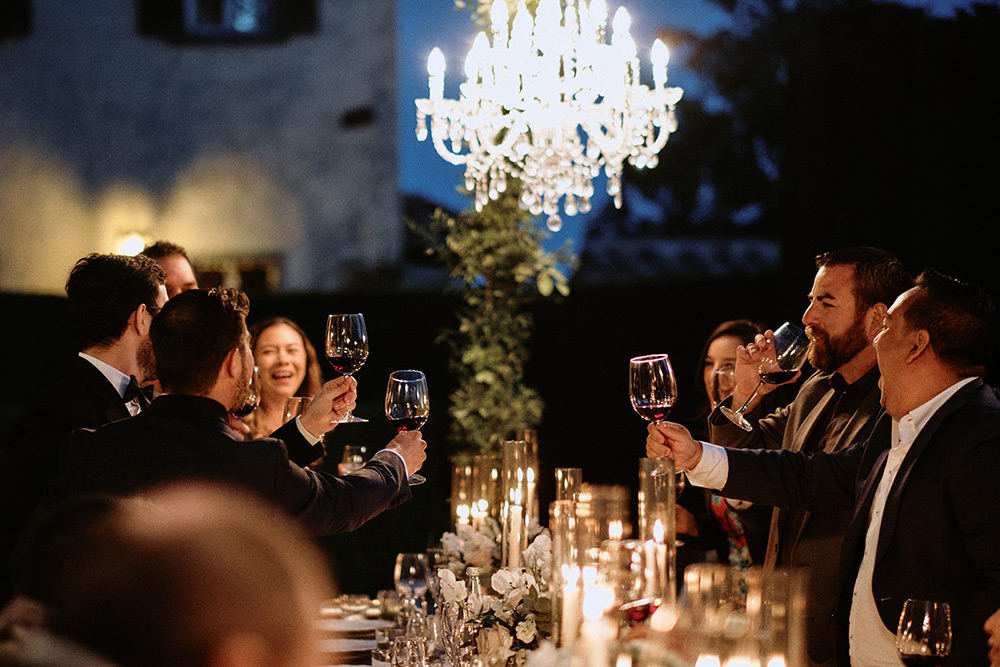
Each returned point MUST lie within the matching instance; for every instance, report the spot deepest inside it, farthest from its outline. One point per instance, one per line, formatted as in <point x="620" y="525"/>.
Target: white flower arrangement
<point x="480" y="547"/>
<point x="511" y="623"/>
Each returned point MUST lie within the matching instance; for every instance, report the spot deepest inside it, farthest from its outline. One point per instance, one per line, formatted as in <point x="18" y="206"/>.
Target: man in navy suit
<point x="923" y="489"/>
<point x="204" y="363"/>
<point x="112" y="300"/>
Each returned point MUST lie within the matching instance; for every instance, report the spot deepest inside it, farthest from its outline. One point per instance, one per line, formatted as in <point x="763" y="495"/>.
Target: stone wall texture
<point x="230" y="151"/>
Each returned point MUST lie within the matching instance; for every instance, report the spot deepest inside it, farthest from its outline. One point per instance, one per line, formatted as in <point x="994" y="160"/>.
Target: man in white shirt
<point x="923" y="487"/>
<point x="112" y="300"/>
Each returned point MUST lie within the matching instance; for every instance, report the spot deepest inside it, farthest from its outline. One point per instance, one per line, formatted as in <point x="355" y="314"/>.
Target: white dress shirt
<point x="871" y="643"/>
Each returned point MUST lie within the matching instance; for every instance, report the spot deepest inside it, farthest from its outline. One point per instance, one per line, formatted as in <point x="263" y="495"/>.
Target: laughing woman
<point x="288" y="366"/>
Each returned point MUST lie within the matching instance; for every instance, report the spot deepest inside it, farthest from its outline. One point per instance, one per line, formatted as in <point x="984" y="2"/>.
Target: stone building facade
<point x="277" y="157"/>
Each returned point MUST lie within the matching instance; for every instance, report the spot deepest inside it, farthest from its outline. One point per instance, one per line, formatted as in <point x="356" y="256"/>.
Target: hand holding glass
<point x="790" y="347"/>
<point x="407" y="405"/>
<point x="653" y="391"/>
<point x="347" y="348"/>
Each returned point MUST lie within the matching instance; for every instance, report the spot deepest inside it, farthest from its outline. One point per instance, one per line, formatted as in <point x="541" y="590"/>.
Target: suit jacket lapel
<point x="906" y="467"/>
<point x="102" y="389"/>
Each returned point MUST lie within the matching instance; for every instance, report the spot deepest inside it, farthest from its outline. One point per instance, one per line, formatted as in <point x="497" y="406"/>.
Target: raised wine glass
<point x="790" y="348"/>
<point x="407" y="405"/>
<point x="653" y="392"/>
<point x="252" y="401"/>
<point x="347" y="348"/>
<point x="923" y="638"/>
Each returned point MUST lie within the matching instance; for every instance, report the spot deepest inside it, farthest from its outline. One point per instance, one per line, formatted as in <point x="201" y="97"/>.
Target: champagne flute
<point x="923" y="638"/>
<point x="347" y="348"/>
<point x="653" y="392"/>
<point x="407" y="405"/>
<point x="252" y="401"/>
<point x="790" y="348"/>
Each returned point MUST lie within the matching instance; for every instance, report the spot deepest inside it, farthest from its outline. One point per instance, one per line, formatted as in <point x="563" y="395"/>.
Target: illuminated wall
<point x="282" y="150"/>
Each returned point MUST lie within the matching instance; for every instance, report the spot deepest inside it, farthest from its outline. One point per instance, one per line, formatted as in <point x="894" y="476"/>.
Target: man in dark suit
<point x="926" y="522"/>
<point x="174" y="261"/>
<point x="112" y="300"/>
<point x="204" y="363"/>
<point x="834" y="407"/>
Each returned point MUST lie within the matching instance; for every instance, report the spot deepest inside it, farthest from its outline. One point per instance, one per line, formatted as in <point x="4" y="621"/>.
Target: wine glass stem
<point x="752" y="396"/>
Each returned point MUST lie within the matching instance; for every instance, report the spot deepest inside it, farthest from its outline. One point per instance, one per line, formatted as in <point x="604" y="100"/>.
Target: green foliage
<point x="499" y="265"/>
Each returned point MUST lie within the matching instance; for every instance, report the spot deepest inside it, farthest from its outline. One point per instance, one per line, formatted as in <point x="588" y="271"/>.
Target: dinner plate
<point x="353" y="628"/>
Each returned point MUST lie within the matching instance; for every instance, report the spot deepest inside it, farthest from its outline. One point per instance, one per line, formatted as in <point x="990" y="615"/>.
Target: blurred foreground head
<point x="196" y="576"/>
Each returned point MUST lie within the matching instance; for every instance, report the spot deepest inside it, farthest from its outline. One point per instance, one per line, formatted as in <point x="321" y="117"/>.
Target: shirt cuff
<point x="712" y="471"/>
<point x="310" y="438"/>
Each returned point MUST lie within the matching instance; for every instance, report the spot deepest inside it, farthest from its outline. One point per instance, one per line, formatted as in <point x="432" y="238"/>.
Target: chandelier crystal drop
<point x="549" y="101"/>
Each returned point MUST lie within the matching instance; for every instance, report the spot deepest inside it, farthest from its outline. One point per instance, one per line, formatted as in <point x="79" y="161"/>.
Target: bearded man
<point x="834" y="408"/>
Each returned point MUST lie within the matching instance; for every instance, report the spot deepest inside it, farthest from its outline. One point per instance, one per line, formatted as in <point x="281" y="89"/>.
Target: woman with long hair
<point x="287" y="366"/>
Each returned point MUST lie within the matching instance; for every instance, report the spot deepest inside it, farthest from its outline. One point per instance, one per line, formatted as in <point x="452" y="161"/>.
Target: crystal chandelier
<point x="549" y="102"/>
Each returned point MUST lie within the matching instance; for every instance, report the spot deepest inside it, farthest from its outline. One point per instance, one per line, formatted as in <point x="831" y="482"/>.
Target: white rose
<point x="452" y="589"/>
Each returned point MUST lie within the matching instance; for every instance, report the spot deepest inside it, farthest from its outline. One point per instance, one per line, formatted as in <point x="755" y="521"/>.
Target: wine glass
<point x="407" y="405"/>
<point x="347" y="348"/>
<point x="295" y="406"/>
<point x="352" y="459"/>
<point x="410" y="575"/>
<point x="923" y="638"/>
<point x="253" y="396"/>
<point x="723" y="383"/>
<point x="790" y="347"/>
<point x="653" y="391"/>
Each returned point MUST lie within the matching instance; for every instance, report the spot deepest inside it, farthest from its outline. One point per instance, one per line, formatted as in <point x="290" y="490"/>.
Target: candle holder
<point x="564" y="581"/>
<point x="514" y="494"/>
<point x="530" y="436"/>
<point x="602" y="511"/>
<point x="461" y="494"/>
<point x="485" y="489"/>
<point x="737" y="617"/>
<point x="568" y="483"/>
<point x="657" y="514"/>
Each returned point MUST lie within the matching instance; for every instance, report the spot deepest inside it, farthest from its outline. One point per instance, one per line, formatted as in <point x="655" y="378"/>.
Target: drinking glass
<point x="253" y="396"/>
<point x="410" y="575"/>
<point x="352" y="459"/>
<point x="723" y="383"/>
<point x="790" y="347"/>
<point x="295" y="406"/>
<point x="407" y="405"/>
<point x="653" y="391"/>
<point x="347" y="348"/>
<point x="923" y="638"/>
<point x="408" y="651"/>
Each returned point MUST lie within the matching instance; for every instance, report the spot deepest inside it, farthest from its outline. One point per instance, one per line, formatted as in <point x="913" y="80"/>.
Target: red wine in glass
<point x="253" y="396"/>
<point x="407" y="405"/>
<point x="791" y="345"/>
<point x="347" y="348"/>
<point x="653" y="411"/>
<point x="346" y="365"/>
<point x="777" y="377"/>
<point x="408" y="423"/>
<point x="638" y="611"/>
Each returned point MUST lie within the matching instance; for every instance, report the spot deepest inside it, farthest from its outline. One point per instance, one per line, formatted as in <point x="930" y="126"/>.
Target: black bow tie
<point x="134" y="392"/>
